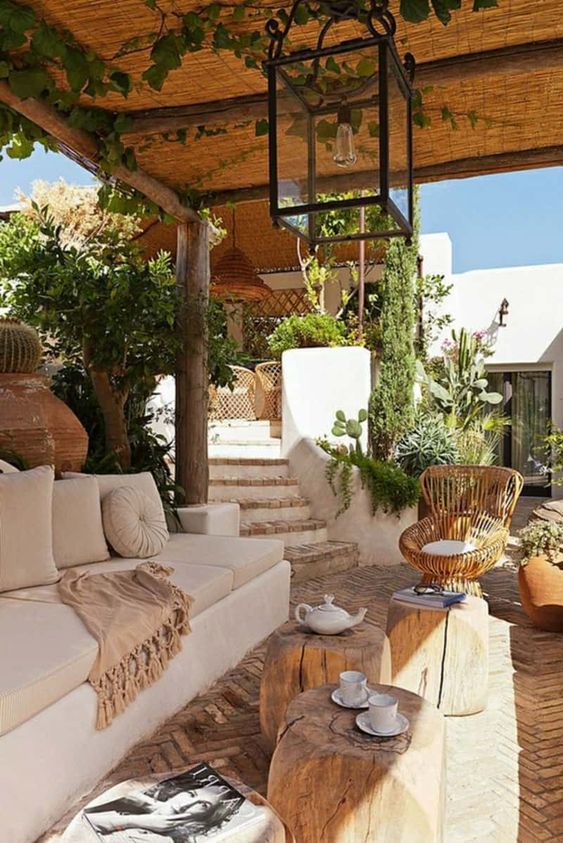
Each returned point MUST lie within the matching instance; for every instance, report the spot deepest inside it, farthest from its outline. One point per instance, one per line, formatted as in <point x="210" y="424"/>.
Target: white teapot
<point x="327" y="619"/>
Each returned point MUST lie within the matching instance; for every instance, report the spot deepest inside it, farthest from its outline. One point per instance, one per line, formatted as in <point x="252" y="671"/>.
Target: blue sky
<point x="494" y="221"/>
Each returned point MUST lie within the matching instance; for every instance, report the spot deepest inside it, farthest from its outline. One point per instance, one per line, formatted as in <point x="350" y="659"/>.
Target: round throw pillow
<point x="134" y="524"/>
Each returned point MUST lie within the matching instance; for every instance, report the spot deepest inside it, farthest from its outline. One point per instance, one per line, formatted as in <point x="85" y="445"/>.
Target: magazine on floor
<point x="197" y="806"/>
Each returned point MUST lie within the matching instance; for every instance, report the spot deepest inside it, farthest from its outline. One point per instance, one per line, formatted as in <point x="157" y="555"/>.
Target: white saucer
<point x="362" y="722"/>
<point x="336" y="698"/>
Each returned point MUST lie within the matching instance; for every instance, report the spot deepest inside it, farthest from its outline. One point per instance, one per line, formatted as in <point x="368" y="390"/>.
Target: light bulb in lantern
<point x="344" y="151"/>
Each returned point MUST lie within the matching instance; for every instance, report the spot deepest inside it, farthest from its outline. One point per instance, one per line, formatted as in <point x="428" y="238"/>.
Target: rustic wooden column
<point x="192" y="278"/>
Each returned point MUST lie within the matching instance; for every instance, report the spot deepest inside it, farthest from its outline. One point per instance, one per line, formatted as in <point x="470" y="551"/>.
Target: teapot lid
<point x="328" y="606"/>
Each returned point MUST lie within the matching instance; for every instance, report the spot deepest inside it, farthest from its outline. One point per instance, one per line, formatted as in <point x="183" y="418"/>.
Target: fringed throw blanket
<point x="137" y="618"/>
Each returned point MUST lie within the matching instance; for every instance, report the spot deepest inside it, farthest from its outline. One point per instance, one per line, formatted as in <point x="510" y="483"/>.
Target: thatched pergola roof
<point x="502" y="67"/>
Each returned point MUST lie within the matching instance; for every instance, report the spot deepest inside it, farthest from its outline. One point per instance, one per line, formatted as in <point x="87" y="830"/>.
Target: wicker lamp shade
<point x="236" y="278"/>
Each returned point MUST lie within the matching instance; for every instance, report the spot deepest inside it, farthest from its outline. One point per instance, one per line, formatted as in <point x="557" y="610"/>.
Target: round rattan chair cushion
<point x="448" y="547"/>
<point x="134" y="524"/>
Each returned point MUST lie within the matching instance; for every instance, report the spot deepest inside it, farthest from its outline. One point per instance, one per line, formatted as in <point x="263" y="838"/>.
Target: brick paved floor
<point x="505" y="765"/>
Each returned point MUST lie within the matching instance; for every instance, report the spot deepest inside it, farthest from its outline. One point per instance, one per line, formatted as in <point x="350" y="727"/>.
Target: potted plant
<point x="540" y="577"/>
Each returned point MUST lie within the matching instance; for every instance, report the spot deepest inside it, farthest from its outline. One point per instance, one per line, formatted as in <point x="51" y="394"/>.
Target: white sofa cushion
<point x="134" y="524"/>
<point x="26" y="529"/>
<point x="7" y="468"/>
<point x="144" y="481"/>
<point x="448" y="547"/>
<point x="45" y="649"/>
<point x="246" y="558"/>
<point x="45" y="652"/>
<point x="78" y="535"/>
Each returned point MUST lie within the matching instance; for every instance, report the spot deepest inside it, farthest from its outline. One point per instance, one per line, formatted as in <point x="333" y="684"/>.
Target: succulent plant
<point x="541" y="539"/>
<point x="350" y="427"/>
<point x="20" y="347"/>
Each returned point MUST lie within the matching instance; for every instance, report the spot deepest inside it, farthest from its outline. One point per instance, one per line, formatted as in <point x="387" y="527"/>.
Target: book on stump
<point x="432" y="600"/>
<point x="196" y="806"/>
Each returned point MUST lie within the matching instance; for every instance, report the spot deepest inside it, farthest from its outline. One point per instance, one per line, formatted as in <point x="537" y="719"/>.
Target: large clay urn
<point x="34" y="423"/>
<point x="541" y="592"/>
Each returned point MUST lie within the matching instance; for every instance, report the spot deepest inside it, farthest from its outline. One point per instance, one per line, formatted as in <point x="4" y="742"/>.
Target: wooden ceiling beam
<point x="461" y="168"/>
<point x="513" y="60"/>
<point x="79" y="144"/>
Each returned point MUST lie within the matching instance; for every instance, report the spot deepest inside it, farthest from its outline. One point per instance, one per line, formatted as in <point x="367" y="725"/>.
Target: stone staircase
<point x="271" y="505"/>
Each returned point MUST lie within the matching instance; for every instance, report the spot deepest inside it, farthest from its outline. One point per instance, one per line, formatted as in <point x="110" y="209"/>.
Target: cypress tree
<point x="391" y="405"/>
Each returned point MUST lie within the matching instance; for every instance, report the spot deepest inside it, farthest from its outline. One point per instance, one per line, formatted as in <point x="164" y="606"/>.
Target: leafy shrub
<point x="541" y="539"/>
<point x="314" y="330"/>
<point x="428" y="443"/>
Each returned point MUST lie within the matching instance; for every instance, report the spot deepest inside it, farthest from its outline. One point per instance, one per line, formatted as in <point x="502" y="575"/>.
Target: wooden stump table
<point x="334" y="784"/>
<point x="442" y="654"/>
<point x="270" y="829"/>
<point x="297" y="660"/>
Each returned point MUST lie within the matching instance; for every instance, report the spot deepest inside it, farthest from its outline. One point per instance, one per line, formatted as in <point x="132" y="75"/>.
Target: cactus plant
<point x="350" y="427"/>
<point x="20" y="348"/>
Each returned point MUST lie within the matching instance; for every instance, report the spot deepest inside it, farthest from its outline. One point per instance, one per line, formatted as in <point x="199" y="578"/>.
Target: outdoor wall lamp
<point x="502" y="312"/>
<point x="340" y="125"/>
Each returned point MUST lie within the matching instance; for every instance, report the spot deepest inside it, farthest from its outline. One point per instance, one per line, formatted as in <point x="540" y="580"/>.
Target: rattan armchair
<point x="235" y="403"/>
<point x="467" y="503"/>
<point x="269" y="378"/>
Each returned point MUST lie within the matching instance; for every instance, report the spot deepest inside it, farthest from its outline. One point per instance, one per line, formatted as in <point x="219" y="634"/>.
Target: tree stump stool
<point x="442" y="654"/>
<point x="297" y="660"/>
<point x="334" y="784"/>
<point x="270" y="828"/>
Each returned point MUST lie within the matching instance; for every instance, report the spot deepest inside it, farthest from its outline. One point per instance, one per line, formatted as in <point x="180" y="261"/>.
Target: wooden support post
<point x="192" y="278"/>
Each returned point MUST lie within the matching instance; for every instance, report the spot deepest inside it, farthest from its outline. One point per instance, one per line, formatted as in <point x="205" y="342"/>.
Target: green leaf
<point x="341" y="415"/>
<point x="167" y="52"/>
<point x="332" y="65"/>
<point x="121" y="82"/>
<point x="484" y="4"/>
<point x="362" y="415"/>
<point x="373" y="129"/>
<point x="443" y="9"/>
<point x="46" y="42"/>
<point x="301" y="15"/>
<point x="214" y="11"/>
<point x="261" y="128"/>
<point x="473" y="118"/>
<point x="415" y="11"/>
<point x="155" y="76"/>
<point x="28" y="83"/>
<point x="4" y="70"/>
<point x="76" y="68"/>
<point x="366" y="68"/>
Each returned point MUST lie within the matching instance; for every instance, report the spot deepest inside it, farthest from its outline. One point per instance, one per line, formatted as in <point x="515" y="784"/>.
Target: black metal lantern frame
<point x="361" y="197"/>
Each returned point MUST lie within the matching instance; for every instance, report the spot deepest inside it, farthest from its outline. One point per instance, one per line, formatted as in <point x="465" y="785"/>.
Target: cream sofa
<point x="50" y="751"/>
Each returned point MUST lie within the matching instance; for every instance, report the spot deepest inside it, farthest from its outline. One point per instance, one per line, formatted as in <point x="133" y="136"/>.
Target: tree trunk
<point x="112" y="405"/>
<point x="192" y="278"/>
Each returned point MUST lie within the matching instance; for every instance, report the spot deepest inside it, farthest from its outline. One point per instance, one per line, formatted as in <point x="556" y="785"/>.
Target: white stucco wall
<point x="533" y="336"/>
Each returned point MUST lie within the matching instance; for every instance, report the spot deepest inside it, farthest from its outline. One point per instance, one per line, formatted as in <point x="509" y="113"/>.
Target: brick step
<point x="316" y="560"/>
<point x="279" y="509"/>
<point x="247" y="488"/>
<point x="307" y="531"/>
<point x="236" y="467"/>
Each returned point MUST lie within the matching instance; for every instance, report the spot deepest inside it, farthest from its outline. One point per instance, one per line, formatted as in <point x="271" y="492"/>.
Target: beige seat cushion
<point x="246" y="558"/>
<point x="46" y="651"/>
<point x="78" y="535"/>
<point x="7" y="468"/>
<point x="448" y="547"/>
<point x="26" y="529"/>
<point x="134" y="524"/>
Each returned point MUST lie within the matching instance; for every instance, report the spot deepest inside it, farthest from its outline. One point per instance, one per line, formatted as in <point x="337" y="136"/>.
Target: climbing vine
<point x="37" y="60"/>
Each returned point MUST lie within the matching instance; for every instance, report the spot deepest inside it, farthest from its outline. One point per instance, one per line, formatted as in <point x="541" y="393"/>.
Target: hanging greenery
<point x="34" y="55"/>
<point x="391" y="406"/>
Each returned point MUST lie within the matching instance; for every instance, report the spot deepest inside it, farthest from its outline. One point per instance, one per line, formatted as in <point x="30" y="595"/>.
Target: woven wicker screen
<point x="502" y="110"/>
<point x="261" y="317"/>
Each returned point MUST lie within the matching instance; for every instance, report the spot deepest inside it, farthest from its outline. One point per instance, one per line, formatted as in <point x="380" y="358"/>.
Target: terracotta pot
<point x="541" y="592"/>
<point x="38" y="426"/>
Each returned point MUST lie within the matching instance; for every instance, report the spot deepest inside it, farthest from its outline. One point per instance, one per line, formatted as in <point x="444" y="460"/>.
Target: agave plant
<point x="430" y="442"/>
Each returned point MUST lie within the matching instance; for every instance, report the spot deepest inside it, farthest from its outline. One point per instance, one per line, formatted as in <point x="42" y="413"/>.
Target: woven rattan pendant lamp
<point x="235" y="277"/>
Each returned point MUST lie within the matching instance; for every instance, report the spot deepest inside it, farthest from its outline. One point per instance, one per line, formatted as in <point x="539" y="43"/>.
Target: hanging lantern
<point x="340" y="123"/>
<point x="235" y="277"/>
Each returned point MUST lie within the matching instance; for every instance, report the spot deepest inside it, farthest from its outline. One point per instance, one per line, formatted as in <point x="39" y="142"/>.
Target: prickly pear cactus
<point x="20" y="348"/>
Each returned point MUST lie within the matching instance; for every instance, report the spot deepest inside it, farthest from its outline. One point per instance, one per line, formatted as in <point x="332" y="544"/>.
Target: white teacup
<point x="353" y="687"/>
<point x="383" y="712"/>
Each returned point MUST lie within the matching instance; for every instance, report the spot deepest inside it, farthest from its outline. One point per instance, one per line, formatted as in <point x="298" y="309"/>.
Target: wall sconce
<point x="502" y="312"/>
